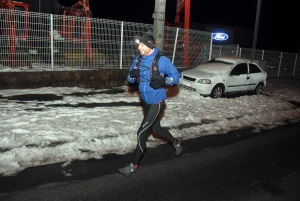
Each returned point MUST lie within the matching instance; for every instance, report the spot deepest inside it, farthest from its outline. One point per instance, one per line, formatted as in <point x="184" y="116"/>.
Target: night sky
<point x="278" y="23"/>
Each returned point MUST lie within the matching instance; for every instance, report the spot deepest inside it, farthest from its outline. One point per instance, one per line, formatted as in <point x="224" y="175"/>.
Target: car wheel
<point x="217" y="92"/>
<point x="259" y="89"/>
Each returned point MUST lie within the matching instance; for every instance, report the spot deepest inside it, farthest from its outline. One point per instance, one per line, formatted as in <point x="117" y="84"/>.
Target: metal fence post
<point x="262" y="55"/>
<point x="175" y="45"/>
<point x="240" y="54"/>
<point x="295" y="65"/>
<point x="210" y="48"/>
<point x="51" y="41"/>
<point x="279" y="64"/>
<point x="121" y="55"/>
<point x="237" y="50"/>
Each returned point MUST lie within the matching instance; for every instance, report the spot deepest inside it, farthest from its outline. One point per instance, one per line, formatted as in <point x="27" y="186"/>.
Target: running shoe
<point x="178" y="146"/>
<point x="128" y="170"/>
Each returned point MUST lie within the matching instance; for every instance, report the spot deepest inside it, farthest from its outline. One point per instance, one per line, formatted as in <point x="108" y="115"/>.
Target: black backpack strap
<point x="155" y="62"/>
<point x="154" y="67"/>
<point x="138" y="61"/>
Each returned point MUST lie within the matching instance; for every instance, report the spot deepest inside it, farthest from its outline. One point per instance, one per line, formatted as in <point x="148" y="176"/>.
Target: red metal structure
<point x="10" y="28"/>
<point x="173" y="24"/>
<point x="190" y="49"/>
<point x="79" y="9"/>
<point x="183" y="6"/>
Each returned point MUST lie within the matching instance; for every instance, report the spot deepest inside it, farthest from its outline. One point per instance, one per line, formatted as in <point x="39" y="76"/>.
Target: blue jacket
<point x="148" y="94"/>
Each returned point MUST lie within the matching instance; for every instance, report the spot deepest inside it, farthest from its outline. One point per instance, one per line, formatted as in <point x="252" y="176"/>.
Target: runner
<point x="152" y="71"/>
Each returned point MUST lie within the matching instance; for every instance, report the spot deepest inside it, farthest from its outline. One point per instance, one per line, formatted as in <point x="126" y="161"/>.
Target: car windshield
<point x="218" y="61"/>
<point x="217" y="67"/>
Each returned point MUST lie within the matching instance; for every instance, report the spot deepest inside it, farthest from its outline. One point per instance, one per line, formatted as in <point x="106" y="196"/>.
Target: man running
<point x="151" y="78"/>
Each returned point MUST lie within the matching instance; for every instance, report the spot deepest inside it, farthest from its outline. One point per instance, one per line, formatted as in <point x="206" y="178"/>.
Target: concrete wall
<point x="83" y="78"/>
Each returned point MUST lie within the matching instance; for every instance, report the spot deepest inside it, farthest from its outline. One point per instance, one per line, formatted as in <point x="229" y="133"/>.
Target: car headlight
<point x="204" y="81"/>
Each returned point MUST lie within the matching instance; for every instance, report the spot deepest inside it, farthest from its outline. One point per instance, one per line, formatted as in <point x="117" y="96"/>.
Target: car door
<point x="238" y="78"/>
<point x="255" y="75"/>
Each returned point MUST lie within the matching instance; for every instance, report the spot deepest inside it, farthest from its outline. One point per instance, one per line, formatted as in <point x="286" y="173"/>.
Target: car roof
<point x="232" y="59"/>
<point x="221" y="64"/>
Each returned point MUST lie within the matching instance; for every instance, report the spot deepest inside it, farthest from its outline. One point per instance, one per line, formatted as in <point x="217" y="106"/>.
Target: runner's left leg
<point x="151" y="114"/>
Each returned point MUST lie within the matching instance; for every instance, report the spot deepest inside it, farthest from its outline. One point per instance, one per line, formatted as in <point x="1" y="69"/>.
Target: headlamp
<point x="137" y="40"/>
<point x="204" y="81"/>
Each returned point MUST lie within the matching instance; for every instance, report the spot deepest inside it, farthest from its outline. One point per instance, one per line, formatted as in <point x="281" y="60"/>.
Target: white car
<point x="224" y="75"/>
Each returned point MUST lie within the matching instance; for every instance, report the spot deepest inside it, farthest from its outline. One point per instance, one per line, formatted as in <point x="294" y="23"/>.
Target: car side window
<point x="254" y="69"/>
<point x="240" y="69"/>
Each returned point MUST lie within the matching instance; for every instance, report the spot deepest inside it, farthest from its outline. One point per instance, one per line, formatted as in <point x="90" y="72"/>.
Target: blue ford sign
<point x="220" y="36"/>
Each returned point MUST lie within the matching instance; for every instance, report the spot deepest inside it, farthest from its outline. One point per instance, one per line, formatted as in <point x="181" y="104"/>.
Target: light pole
<point x="256" y="27"/>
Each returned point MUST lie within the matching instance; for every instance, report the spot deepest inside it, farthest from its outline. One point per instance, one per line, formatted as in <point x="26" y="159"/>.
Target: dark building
<point x="235" y="35"/>
<point x="43" y="6"/>
<point x="267" y="39"/>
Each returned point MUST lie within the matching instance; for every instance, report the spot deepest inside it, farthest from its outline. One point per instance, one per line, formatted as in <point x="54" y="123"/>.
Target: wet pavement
<point x="240" y="165"/>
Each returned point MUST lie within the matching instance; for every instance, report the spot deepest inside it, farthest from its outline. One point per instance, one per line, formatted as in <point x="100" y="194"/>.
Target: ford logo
<point x="220" y="36"/>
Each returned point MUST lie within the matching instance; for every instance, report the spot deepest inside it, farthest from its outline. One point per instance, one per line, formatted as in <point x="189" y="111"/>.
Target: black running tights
<point x="150" y="121"/>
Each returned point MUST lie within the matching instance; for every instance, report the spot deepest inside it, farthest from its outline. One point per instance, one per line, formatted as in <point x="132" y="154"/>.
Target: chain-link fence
<point x="35" y="41"/>
<point x="275" y="63"/>
<point x="32" y="41"/>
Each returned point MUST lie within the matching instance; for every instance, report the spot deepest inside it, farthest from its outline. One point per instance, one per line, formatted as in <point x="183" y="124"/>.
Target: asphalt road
<point x="237" y="166"/>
